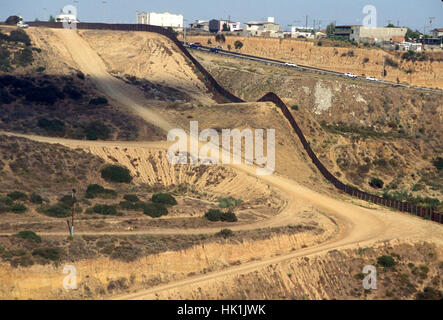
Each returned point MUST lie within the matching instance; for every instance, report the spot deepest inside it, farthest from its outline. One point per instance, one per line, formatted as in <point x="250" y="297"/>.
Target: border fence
<point x="411" y="208"/>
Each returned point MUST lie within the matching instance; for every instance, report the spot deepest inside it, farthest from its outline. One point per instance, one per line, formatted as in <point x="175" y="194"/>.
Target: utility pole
<point x="184" y="31"/>
<point x="306" y="24"/>
<point x="71" y="225"/>
<point x="383" y="72"/>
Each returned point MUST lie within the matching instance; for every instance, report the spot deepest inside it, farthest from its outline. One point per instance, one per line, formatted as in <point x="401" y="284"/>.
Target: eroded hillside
<point x="359" y="131"/>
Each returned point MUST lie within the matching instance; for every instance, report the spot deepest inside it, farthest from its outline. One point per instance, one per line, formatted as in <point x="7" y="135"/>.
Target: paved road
<point x="298" y="66"/>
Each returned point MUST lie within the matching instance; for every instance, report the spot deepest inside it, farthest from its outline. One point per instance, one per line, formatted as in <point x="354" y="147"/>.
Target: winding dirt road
<point x="357" y="225"/>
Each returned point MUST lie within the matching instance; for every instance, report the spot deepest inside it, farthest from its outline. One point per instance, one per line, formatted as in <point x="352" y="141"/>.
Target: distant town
<point x="400" y="38"/>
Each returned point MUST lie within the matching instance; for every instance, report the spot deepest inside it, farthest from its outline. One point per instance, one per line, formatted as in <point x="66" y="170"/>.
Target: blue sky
<point x="411" y="13"/>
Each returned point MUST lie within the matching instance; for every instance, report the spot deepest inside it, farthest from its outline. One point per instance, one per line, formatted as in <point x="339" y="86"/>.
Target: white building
<point x="160" y="19"/>
<point x="305" y="32"/>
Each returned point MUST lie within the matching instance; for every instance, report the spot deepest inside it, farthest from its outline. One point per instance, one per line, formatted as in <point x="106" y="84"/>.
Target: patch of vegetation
<point x="155" y="210"/>
<point x="115" y="173"/>
<point x="386" y="261"/>
<point x="52" y="254"/>
<point x="229" y="202"/>
<point x="134" y="206"/>
<point x="23" y="58"/>
<point x="36" y="198"/>
<point x="98" y="191"/>
<point x="97" y="130"/>
<point x="164" y="198"/>
<point x="391" y="63"/>
<point x="131" y="197"/>
<point x="438" y="163"/>
<point x="19" y="36"/>
<point x="29" y="235"/>
<point x="217" y="215"/>
<point x="429" y="293"/>
<point x="376" y="183"/>
<point x="17" y="208"/>
<point x="54" y="126"/>
<point x="126" y="253"/>
<point x="18" y="195"/>
<point x="98" y="101"/>
<point x="57" y="210"/>
<point x="426" y="202"/>
<point x="225" y="233"/>
<point x="105" y="209"/>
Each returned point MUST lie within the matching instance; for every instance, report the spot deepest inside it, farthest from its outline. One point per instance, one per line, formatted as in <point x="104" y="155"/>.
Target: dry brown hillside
<point x="359" y="131"/>
<point x="360" y="61"/>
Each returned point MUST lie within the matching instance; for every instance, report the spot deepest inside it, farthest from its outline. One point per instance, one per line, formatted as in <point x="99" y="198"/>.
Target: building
<point x="219" y="26"/>
<point x="200" y="25"/>
<point x="302" y="32"/>
<point x="436" y="33"/>
<point x="268" y="28"/>
<point x="371" y="34"/>
<point x="160" y="19"/>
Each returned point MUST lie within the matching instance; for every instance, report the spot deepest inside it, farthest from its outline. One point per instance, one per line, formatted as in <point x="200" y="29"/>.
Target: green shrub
<point x="96" y="190"/>
<point x="20" y="36"/>
<point x="52" y="254"/>
<point x="386" y="261"/>
<point x="66" y="201"/>
<point x="155" y="210"/>
<point x="17" y="208"/>
<point x="229" y="202"/>
<point x="135" y="206"/>
<point x="30" y="235"/>
<point x="229" y="217"/>
<point x="23" y="58"/>
<point x="429" y="293"/>
<point x="36" y="198"/>
<point x="105" y="209"/>
<point x="17" y="195"/>
<point x="294" y="107"/>
<point x="131" y="197"/>
<point x="48" y="94"/>
<point x="438" y="163"/>
<point x="116" y="173"/>
<point x="97" y="130"/>
<point x="225" y="233"/>
<point x="5" y="97"/>
<point x="57" y="211"/>
<point x="164" y="198"/>
<point x="376" y="183"/>
<point x="54" y="126"/>
<point x="217" y="215"/>
<point x="40" y="69"/>
<point x="98" y="101"/>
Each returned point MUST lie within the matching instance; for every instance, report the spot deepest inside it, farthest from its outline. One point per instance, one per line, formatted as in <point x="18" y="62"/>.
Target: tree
<point x="412" y="34"/>
<point x="51" y="18"/>
<point x="330" y="30"/>
<point x="226" y="27"/>
<point x="390" y="26"/>
<point x="238" y="45"/>
<point x="220" y="38"/>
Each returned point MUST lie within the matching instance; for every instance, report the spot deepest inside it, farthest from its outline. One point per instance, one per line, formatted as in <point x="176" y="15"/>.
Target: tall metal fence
<point x="272" y="97"/>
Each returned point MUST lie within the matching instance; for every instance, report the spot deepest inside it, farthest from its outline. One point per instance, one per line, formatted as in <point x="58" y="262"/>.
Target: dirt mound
<point x="147" y="56"/>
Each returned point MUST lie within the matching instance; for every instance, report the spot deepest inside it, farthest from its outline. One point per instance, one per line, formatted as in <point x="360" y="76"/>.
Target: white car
<point x="350" y="75"/>
<point x="290" y="64"/>
<point x="21" y="24"/>
<point x="371" y="78"/>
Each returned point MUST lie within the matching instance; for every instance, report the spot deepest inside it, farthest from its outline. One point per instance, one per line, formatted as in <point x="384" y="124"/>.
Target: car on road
<point x="195" y="45"/>
<point x="290" y="64"/>
<point x="371" y="78"/>
<point x="21" y="24"/>
<point x="350" y="75"/>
